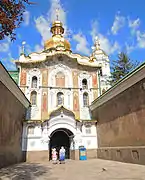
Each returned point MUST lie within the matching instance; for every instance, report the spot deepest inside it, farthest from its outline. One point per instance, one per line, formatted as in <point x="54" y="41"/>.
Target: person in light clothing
<point x="54" y="156"/>
<point x="62" y="155"/>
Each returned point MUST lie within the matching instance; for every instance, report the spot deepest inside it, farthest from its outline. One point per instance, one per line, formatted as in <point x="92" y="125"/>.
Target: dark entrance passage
<point x="60" y="137"/>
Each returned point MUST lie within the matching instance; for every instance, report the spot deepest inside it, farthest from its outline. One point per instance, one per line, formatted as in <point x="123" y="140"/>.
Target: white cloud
<point x="56" y="4"/>
<point x="94" y="29"/>
<point x="118" y="23"/>
<point x="8" y="62"/>
<point x="26" y="17"/>
<point x="43" y="27"/>
<point x="38" y="48"/>
<point x="140" y="39"/>
<point x="134" y="25"/>
<point x="43" y="23"/>
<point x="130" y="48"/>
<point x="82" y="43"/>
<point x="5" y="45"/>
<point x="107" y="46"/>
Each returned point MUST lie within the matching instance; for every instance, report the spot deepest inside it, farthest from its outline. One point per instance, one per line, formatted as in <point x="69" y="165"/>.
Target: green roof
<point x="14" y="75"/>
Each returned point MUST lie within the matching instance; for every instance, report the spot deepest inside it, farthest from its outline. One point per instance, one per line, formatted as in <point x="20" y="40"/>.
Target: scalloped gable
<point x="62" y="110"/>
<point x="42" y="57"/>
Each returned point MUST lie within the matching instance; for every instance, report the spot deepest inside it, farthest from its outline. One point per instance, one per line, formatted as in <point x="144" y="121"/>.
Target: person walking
<point x="54" y="156"/>
<point x="62" y="155"/>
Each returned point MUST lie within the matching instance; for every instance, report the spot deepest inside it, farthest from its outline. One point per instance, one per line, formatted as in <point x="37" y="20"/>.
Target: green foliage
<point x="121" y="67"/>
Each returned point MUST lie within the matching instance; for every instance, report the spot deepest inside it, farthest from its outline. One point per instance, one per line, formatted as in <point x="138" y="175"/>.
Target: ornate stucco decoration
<point x="43" y="56"/>
<point x="60" y="110"/>
<point x="84" y="75"/>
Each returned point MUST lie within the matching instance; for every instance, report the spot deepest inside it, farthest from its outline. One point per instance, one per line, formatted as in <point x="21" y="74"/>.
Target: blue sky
<point x="120" y="26"/>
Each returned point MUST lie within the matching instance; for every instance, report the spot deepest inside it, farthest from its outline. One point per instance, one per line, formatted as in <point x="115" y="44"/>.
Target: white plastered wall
<point x="84" y="111"/>
<point x="90" y="140"/>
<point x="35" y="109"/>
<point x="52" y="94"/>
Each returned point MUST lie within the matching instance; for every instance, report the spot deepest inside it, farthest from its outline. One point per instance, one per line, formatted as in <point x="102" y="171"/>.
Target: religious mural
<point x="45" y="77"/>
<point x="60" y="79"/>
<point x="75" y="101"/>
<point x="75" y="79"/>
<point x="94" y="80"/>
<point x="23" y="77"/>
<point x="44" y="102"/>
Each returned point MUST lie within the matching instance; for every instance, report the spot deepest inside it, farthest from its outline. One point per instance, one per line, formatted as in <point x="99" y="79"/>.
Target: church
<point x="61" y="85"/>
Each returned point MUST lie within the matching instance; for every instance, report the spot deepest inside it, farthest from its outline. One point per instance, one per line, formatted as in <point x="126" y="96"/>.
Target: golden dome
<point x="57" y="41"/>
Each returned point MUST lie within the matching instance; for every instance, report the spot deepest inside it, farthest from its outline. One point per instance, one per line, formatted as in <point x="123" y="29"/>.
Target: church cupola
<point x="57" y="41"/>
<point x="57" y="28"/>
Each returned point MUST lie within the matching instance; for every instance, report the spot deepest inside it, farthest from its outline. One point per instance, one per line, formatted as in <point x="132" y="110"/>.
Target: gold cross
<point x="57" y="13"/>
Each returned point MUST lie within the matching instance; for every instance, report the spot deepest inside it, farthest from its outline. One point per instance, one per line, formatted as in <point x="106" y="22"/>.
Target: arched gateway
<point x="62" y="129"/>
<point x="61" y="137"/>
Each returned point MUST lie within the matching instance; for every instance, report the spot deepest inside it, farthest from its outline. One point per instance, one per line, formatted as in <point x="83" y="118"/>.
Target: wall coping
<point x="122" y="147"/>
<point x="7" y="80"/>
<point x="129" y="80"/>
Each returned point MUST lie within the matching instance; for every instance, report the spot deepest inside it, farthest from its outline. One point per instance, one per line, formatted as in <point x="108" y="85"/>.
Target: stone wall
<point x="37" y="156"/>
<point x="120" y="128"/>
<point x="12" y="113"/>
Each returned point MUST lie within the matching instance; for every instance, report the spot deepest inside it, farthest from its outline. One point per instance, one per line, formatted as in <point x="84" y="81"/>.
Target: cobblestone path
<point x="74" y="170"/>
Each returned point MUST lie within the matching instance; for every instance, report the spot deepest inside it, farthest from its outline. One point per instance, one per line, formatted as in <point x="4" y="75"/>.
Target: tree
<point x="11" y="16"/>
<point x="121" y="67"/>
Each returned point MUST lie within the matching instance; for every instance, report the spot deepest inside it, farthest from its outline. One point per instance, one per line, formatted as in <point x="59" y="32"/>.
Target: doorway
<point x="60" y="137"/>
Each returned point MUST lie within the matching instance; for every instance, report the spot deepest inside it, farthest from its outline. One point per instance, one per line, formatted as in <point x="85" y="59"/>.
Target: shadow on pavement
<point x="23" y="171"/>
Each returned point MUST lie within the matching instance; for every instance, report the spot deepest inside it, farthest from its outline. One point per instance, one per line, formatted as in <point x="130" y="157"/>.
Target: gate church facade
<point x="60" y="86"/>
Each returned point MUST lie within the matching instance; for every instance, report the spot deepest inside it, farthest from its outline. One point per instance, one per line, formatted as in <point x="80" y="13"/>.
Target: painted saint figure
<point x="62" y="154"/>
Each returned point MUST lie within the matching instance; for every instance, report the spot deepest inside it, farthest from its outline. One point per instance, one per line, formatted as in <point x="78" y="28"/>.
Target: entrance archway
<point x="60" y="137"/>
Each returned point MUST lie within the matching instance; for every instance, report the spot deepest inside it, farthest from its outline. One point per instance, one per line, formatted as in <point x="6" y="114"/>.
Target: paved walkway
<point x="74" y="170"/>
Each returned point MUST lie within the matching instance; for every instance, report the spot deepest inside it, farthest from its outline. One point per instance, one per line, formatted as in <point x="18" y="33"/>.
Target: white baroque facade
<point x="60" y="86"/>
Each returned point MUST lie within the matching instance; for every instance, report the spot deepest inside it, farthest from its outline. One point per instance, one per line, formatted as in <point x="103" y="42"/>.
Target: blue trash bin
<point x="82" y="153"/>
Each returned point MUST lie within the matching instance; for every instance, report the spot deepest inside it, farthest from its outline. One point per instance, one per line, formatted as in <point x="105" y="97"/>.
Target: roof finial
<point x="57" y="13"/>
<point x="23" y="47"/>
<point x="97" y="43"/>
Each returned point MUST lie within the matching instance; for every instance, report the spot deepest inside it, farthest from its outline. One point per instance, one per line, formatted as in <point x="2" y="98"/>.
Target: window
<point x="88" y="130"/>
<point x="60" y="98"/>
<point x="84" y="84"/>
<point x="31" y="130"/>
<point x="34" y="82"/>
<point x="85" y="99"/>
<point x="33" y="98"/>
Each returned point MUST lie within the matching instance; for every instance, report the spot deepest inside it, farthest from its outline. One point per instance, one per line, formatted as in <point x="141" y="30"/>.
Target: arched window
<point x="31" y="130"/>
<point x="84" y="84"/>
<point x="85" y="99"/>
<point x="33" y="98"/>
<point x="60" y="79"/>
<point x="34" y="82"/>
<point x="60" y="98"/>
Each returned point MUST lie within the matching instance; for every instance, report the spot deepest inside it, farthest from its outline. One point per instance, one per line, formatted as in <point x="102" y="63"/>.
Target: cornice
<point x="82" y="60"/>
